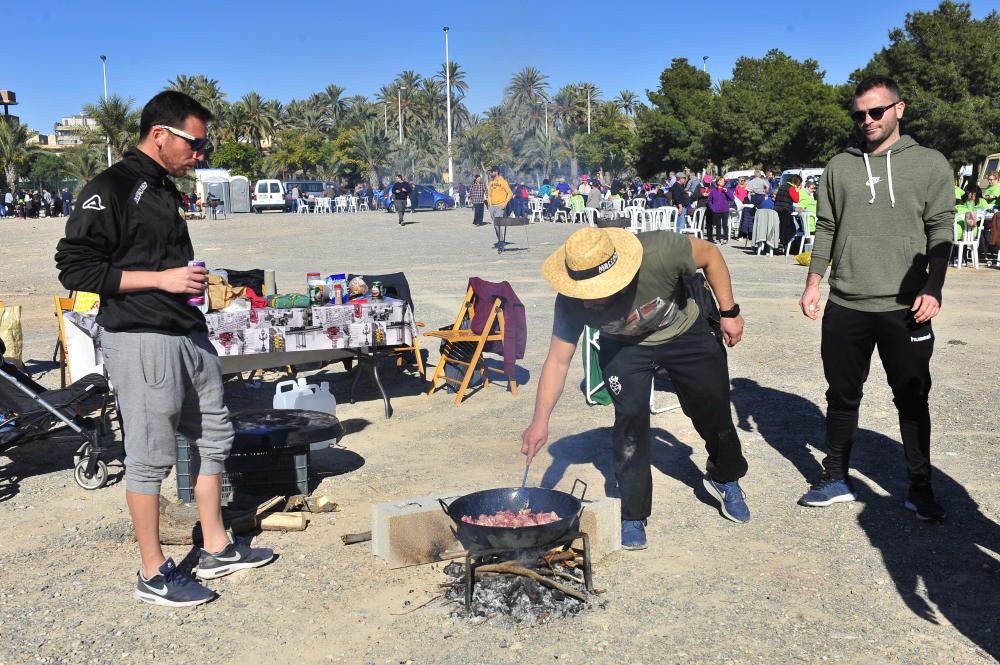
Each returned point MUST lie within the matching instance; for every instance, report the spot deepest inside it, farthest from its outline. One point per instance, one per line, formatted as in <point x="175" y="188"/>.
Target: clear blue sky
<point x="253" y="45"/>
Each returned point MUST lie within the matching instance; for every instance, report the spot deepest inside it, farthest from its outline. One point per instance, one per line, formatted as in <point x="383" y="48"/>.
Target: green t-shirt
<point x="655" y="308"/>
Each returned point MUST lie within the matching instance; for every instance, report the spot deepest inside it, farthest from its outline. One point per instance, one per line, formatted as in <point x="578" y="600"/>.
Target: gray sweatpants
<point x="167" y="385"/>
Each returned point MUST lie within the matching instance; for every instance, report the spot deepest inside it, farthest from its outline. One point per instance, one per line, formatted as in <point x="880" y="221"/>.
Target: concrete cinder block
<point x="601" y="521"/>
<point x="413" y="531"/>
<point x="416" y="531"/>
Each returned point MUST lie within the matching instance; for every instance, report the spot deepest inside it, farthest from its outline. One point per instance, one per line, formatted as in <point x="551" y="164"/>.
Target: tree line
<point x="772" y="112"/>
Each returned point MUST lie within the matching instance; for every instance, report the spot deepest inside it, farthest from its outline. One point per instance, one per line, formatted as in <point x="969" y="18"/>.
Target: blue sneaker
<point x="826" y="492"/>
<point x="730" y="498"/>
<point x="172" y="588"/>
<point x="634" y="534"/>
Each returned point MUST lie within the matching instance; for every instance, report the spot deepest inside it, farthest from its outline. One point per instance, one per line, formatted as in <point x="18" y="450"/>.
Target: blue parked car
<point x="428" y="198"/>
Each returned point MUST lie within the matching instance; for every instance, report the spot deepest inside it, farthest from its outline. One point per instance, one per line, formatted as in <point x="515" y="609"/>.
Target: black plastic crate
<point x="254" y="470"/>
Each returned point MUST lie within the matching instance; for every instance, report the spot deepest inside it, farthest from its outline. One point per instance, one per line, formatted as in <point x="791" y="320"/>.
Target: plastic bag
<point x="10" y="333"/>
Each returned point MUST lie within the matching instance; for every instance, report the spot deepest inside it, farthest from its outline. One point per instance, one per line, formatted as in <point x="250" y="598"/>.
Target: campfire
<point x="526" y="586"/>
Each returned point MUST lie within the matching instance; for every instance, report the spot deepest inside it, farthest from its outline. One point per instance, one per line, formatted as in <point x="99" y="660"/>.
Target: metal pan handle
<point x="572" y="490"/>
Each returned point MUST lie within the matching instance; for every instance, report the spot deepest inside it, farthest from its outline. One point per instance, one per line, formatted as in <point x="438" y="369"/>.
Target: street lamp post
<point x="704" y="63"/>
<point x="399" y="101"/>
<point x="447" y="86"/>
<point x="104" y="69"/>
<point x="546" y="103"/>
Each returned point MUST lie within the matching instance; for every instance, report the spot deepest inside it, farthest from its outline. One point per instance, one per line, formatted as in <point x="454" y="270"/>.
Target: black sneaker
<point x="920" y="499"/>
<point x="172" y="588"/>
<point x="236" y="556"/>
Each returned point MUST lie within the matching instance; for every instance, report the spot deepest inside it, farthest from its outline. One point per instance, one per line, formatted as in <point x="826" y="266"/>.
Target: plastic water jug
<point x="301" y="395"/>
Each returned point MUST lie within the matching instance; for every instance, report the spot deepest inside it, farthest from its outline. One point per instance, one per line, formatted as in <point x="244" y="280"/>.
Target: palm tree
<point x="371" y="147"/>
<point x="359" y="111"/>
<point x="406" y="86"/>
<point x="522" y="95"/>
<point x="260" y="118"/>
<point x="183" y="83"/>
<point x="332" y="104"/>
<point x="14" y="149"/>
<point x="117" y="123"/>
<point x="526" y="88"/>
<point x="544" y="150"/>
<point x="457" y="78"/>
<point x="84" y="162"/>
<point x="571" y="146"/>
<point x="627" y="101"/>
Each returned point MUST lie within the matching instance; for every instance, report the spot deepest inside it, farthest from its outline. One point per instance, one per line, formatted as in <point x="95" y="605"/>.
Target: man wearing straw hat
<point x="631" y="288"/>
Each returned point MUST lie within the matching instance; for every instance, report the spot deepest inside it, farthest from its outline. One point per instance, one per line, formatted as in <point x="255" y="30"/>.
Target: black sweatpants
<point x="905" y="347"/>
<point x="718" y="227"/>
<point x="697" y="365"/>
<point x="477" y="213"/>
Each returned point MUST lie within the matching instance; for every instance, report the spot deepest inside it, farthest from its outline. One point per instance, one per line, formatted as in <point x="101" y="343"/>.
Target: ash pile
<point x="524" y="590"/>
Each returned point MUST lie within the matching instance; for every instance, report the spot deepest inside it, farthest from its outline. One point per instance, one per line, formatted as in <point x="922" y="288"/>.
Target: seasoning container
<point x="376" y="291"/>
<point x="316" y="287"/>
<point x="338" y="294"/>
<point x="198" y="300"/>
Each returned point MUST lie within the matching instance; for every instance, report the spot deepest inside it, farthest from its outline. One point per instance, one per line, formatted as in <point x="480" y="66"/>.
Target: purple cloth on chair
<point x="515" y="321"/>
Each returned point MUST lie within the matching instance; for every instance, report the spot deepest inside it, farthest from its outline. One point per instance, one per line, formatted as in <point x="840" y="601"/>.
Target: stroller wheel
<point x="82" y="453"/>
<point x="96" y="481"/>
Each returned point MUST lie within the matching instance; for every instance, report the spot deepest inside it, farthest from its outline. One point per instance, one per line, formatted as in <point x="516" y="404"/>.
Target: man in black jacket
<point x="127" y="240"/>
<point x="400" y="193"/>
<point x="681" y="199"/>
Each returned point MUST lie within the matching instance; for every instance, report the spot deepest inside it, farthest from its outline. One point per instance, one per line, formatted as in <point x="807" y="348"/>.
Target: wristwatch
<point x="730" y="313"/>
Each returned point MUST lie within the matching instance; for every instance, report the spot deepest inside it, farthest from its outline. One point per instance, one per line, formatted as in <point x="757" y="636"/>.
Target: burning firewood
<point x="512" y="569"/>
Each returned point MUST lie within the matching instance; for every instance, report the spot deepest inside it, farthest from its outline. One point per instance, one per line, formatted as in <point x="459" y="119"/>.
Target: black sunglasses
<point x="876" y="113"/>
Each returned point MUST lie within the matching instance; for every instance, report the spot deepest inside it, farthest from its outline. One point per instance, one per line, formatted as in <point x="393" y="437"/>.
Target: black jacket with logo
<point x="129" y="218"/>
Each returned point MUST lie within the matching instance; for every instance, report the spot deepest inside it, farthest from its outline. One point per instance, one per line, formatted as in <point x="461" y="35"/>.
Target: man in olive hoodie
<point x="885" y="213"/>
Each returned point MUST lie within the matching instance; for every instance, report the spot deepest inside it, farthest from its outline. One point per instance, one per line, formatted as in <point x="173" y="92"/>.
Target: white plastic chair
<point x="695" y="223"/>
<point x="535" y="208"/>
<point x="669" y="221"/>
<point x="341" y="203"/>
<point x="969" y="241"/>
<point x="322" y="205"/>
<point x="807" y="220"/>
<point x="352" y="203"/>
<point x="639" y="203"/>
<point x="363" y="203"/>
<point x="303" y="206"/>
<point x="591" y="216"/>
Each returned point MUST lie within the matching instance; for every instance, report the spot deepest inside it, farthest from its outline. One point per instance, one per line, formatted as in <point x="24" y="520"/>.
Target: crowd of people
<point x="34" y="203"/>
<point x="682" y="190"/>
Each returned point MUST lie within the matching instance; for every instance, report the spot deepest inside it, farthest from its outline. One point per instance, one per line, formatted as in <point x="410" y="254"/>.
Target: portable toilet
<point x="218" y="187"/>
<point x="239" y="194"/>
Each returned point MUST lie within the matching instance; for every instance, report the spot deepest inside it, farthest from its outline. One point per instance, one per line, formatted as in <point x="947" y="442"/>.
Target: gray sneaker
<point x="236" y="556"/>
<point x="171" y="587"/>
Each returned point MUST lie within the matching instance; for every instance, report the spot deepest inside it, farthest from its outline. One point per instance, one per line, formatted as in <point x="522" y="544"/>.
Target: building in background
<point x="69" y="131"/>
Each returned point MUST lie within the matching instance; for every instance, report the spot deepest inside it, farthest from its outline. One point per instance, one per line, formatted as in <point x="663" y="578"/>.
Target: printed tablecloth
<point x="351" y="326"/>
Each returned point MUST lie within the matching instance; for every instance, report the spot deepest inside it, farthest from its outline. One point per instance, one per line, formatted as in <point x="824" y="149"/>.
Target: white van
<point x="815" y="173"/>
<point x="268" y="195"/>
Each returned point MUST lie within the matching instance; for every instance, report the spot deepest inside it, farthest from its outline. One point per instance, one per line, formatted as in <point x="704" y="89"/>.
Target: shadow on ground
<point x="943" y="572"/>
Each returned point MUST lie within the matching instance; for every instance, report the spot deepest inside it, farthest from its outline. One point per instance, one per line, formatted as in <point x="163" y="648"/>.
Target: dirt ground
<point x="854" y="583"/>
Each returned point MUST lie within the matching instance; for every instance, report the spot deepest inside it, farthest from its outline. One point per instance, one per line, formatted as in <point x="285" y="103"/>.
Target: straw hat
<point x="594" y="263"/>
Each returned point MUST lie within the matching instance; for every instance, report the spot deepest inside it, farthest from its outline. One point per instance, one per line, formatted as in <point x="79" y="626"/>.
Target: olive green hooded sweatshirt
<point x="878" y="218"/>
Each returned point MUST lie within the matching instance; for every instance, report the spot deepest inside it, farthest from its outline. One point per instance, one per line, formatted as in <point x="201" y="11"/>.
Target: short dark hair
<point x="795" y="179"/>
<point x="877" y="81"/>
<point x="170" y="108"/>
<point x="399" y="175"/>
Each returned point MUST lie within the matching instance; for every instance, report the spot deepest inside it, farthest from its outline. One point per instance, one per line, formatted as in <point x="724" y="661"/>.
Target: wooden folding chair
<point x="63" y="305"/>
<point x="493" y="331"/>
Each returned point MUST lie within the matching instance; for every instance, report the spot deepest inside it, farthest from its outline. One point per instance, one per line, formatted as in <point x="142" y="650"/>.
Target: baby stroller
<point x="28" y="412"/>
